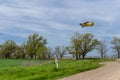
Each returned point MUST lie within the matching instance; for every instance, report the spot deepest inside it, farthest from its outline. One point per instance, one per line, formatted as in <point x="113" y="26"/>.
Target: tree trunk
<point x="49" y="56"/>
<point x="35" y="57"/>
<point x="118" y="53"/>
<point x="77" y="57"/>
<point x="73" y="55"/>
<point x="6" y="55"/>
<point x="102" y="55"/>
<point x="23" y="56"/>
<point x="31" y="56"/>
<point x="83" y="56"/>
<point x="15" y="56"/>
<point x="61" y="55"/>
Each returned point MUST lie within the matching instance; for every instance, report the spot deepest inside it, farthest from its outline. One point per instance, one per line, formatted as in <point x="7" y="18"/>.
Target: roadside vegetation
<point x="44" y="70"/>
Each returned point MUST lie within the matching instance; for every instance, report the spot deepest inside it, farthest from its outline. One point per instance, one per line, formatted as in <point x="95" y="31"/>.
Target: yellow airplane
<point x="87" y="24"/>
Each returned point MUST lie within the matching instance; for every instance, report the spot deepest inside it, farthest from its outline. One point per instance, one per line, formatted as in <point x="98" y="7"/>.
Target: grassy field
<point x="43" y="70"/>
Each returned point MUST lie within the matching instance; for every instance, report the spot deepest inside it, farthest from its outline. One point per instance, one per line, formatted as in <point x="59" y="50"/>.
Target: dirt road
<point x="111" y="71"/>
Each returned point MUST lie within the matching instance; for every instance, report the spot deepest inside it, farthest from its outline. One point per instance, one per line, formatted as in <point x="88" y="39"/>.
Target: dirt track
<point x="111" y="71"/>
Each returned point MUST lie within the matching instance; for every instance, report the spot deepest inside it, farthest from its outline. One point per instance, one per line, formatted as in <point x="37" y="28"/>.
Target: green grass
<point x="44" y="70"/>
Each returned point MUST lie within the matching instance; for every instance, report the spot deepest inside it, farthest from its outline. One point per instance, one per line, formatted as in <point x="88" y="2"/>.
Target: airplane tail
<point x="82" y="25"/>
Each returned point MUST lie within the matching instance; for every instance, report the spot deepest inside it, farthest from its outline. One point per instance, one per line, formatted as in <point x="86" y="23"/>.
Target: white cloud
<point x="59" y="18"/>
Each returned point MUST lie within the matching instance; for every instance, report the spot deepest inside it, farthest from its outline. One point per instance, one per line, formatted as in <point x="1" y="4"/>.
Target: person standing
<point x="57" y="62"/>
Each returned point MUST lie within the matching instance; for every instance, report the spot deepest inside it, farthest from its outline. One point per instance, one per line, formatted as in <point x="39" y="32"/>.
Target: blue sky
<point x="57" y="20"/>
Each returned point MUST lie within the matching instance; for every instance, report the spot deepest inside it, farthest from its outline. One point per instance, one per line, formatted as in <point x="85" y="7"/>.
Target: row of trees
<point x="35" y="47"/>
<point x="84" y="43"/>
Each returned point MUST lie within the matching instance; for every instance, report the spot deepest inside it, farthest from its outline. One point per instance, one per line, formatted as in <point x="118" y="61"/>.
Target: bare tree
<point x="60" y="51"/>
<point x="116" y="45"/>
<point x="102" y="48"/>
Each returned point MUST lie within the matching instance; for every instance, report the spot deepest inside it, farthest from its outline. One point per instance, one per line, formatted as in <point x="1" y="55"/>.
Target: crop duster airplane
<point x="87" y="24"/>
